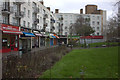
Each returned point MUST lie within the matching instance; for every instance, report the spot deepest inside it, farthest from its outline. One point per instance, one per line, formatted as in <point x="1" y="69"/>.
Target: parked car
<point x="69" y="45"/>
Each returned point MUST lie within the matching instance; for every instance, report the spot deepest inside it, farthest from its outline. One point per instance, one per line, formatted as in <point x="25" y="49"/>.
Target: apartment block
<point x="70" y="18"/>
<point x="92" y="9"/>
<point x="23" y="23"/>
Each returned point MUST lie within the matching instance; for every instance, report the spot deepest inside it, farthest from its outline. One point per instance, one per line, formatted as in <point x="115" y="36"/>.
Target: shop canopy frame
<point x="28" y="34"/>
<point x="12" y="32"/>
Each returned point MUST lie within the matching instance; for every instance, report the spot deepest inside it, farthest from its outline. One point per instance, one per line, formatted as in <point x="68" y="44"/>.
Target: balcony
<point x="19" y="14"/>
<point x="52" y="20"/>
<point x="61" y="18"/>
<point x="45" y="25"/>
<point x="45" y="16"/>
<point x="7" y="11"/>
<point x="35" y="10"/>
<point x="36" y="21"/>
<point x="19" y="2"/>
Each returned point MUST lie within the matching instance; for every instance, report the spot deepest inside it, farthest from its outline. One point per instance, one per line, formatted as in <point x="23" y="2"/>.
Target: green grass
<point x="96" y="63"/>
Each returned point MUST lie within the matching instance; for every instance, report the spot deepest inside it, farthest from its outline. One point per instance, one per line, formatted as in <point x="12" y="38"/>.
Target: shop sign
<point x="9" y="27"/>
<point x="25" y="30"/>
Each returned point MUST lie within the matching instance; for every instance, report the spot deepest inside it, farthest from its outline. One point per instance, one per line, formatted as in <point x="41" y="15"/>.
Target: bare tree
<point x="82" y="27"/>
<point x="113" y="27"/>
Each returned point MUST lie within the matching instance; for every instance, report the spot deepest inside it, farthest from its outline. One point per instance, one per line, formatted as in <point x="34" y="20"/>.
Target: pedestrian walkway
<point x="17" y="53"/>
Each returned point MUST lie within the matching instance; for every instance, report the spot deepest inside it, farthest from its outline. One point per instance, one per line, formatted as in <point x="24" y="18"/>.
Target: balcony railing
<point x="45" y="16"/>
<point x="7" y="10"/>
<point x="35" y="10"/>
<point x="19" y="14"/>
<point x="52" y="20"/>
<point x="19" y="2"/>
<point x="36" y="21"/>
<point x="45" y="25"/>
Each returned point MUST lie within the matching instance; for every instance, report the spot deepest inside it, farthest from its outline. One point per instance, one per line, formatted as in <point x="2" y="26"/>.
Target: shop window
<point x="4" y="43"/>
<point x="16" y="41"/>
<point x="98" y="34"/>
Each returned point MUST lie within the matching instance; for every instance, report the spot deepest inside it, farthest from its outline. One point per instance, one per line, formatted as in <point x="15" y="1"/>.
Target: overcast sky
<point x="74" y="6"/>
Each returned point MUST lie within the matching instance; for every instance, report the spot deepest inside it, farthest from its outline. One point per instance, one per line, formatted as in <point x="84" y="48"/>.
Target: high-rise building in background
<point x="97" y="19"/>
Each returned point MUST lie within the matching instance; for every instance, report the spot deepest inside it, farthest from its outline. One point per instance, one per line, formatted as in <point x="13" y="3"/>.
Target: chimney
<point x="56" y="10"/>
<point x="81" y="11"/>
<point x="42" y="2"/>
<point x="48" y="8"/>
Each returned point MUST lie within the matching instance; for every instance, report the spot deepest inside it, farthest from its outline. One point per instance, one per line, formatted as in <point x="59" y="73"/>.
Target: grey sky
<point x="74" y="6"/>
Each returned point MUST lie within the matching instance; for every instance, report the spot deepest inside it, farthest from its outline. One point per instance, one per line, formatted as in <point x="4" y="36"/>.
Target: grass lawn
<point x="95" y="63"/>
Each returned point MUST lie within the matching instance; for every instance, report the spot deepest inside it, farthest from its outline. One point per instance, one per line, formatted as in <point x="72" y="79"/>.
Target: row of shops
<point x="23" y="39"/>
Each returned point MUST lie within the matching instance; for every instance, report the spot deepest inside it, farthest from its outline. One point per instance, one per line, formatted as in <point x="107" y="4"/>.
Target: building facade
<point x="24" y="24"/>
<point x="97" y="19"/>
<point x="70" y="18"/>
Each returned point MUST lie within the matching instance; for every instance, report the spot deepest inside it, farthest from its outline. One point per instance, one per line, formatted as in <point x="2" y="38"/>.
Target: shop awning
<point x="12" y="32"/>
<point x="53" y="36"/>
<point x="56" y="36"/>
<point x="37" y="34"/>
<point x="28" y="34"/>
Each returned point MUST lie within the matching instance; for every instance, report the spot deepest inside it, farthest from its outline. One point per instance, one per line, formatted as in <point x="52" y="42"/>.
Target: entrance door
<point x="12" y="42"/>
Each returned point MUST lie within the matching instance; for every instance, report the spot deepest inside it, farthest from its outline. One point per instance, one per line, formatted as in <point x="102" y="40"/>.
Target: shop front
<point x="35" y="40"/>
<point x="56" y="39"/>
<point x="52" y="39"/>
<point x="10" y="38"/>
<point x="25" y="40"/>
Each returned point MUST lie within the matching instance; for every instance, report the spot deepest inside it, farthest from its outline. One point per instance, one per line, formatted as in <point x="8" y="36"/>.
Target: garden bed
<point x="32" y="65"/>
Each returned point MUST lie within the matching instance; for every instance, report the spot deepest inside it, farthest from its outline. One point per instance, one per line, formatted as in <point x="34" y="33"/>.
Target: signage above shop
<point x="9" y="27"/>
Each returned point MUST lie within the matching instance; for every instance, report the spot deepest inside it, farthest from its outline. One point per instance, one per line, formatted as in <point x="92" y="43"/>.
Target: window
<point x="98" y="17"/>
<point x="98" y="23"/>
<point x="38" y="16"/>
<point x="28" y="13"/>
<point x="24" y="23"/>
<point x="65" y="27"/>
<point x="28" y="24"/>
<point x="37" y="27"/>
<point x="93" y="28"/>
<point x="25" y="11"/>
<point x="41" y="10"/>
<point x="5" y="19"/>
<point x="98" y="34"/>
<point x="93" y="22"/>
<point x="97" y="28"/>
<point x="15" y="21"/>
<point x="65" y="33"/>
<point x="66" y="16"/>
<point x="71" y="16"/>
<point x="29" y="2"/>
<point x="41" y="19"/>
<point x="66" y="22"/>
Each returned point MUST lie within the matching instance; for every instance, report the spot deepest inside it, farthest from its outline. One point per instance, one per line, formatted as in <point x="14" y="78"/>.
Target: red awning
<point x="12" y="32"/>
<point x="91" y="37"/>
<point x="97" y="37"/>
<point x="56" y="36"/>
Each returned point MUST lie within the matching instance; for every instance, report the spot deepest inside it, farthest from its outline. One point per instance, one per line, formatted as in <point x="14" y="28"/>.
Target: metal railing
<point x="19" y="14"/>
